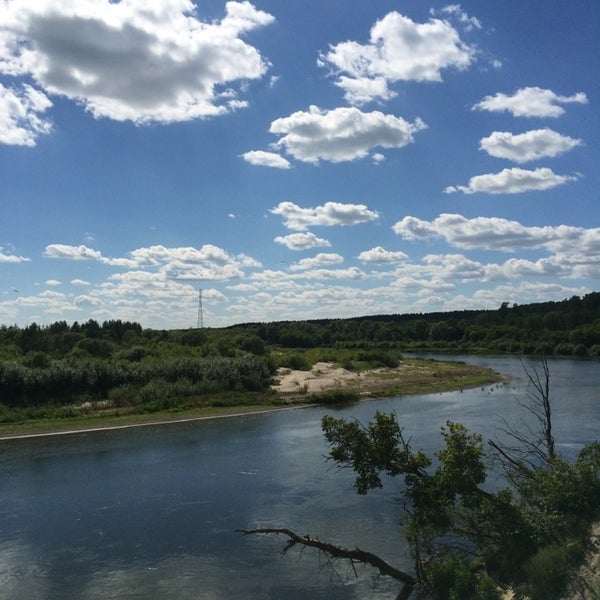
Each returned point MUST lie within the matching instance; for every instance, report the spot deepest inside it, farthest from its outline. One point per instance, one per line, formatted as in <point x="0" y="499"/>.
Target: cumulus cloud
<point x="380" y="256"/>
<point x="72" y="252"/>
<point x="302" y="241"/>
<point x="455" y="266"/>
<point x="528" y="146"/>
<point x="84" y="301"/>
<point x="156" y="255"/>
<point x="266" y="159"/>
<point x="341" y="134"/>
<point x="455" y="11"/>
<point x="322" y="259"/>
<point x="398" y="50"/>
<point x="64" y="251"/>
<point x="495" y="233"/>
<point x="53" y="282"/>
<point x="523" y="293"/>
<point x="12" y="258"/>
<point x="329" y="214"/>
<point x="208" y="262"/>
<point x="512" y="181"/>
<point x="326" y="274"/>
<point x="136" y="60"/>
<point x="20" y="120"/>
<point x="530" y="102"/>
<point x="81" y="282"/>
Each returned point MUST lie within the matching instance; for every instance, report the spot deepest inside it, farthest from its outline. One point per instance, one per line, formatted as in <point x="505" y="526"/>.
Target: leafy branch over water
<point x="467" y="541"/>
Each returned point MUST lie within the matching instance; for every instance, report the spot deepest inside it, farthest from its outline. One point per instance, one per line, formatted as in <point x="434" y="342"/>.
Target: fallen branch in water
<point x="354" y="555"/>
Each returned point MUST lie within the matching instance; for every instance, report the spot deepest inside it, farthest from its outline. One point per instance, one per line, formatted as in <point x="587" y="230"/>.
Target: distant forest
<point x="44" y="369"/>
<point x="566" y="328"/>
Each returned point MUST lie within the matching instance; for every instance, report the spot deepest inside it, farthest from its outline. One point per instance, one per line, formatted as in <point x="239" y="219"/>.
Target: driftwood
<point x="354" y="555"/>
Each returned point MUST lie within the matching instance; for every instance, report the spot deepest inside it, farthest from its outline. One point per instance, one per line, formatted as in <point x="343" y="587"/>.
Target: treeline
<point x="121" y="363"/>
<point x="60" y="369"/>
<point x="566" y="328"/>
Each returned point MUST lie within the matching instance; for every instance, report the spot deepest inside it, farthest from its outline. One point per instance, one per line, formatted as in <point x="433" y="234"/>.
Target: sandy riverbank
<point x="294" y="389"/>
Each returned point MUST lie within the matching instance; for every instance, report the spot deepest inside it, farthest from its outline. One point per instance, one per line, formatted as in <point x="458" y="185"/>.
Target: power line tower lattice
<point x="200" y="324"/>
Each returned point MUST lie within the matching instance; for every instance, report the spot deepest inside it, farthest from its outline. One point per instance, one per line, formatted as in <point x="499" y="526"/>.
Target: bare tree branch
<point x="531" y="448"/>
<point x="354" y="555"/>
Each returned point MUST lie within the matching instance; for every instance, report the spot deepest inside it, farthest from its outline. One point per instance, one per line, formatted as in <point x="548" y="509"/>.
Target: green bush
<point x="450" y="579"/>
<point x="36" y="360"/>
<point x="296" y="361"/>
<point x="549" y="570"/>
<point x="335" y="396"/>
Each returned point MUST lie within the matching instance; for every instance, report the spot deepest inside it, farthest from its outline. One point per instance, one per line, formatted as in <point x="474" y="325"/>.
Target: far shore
<point x="294" y="390"/>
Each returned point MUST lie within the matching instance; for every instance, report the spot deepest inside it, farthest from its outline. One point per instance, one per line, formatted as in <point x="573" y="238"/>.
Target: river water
<point x="151" y="512"/>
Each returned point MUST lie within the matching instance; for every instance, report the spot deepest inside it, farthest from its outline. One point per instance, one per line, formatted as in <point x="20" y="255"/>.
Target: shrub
<point x="549" y="570"/>
<point x="335" y="396"/>
<point x="36" y="360"/>
<point x="296" y="361"/>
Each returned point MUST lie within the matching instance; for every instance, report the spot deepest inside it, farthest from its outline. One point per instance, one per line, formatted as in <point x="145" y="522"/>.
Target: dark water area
<point x="151" y="512"/>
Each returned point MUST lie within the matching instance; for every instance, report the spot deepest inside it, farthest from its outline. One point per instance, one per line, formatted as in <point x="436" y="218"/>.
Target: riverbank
<point x="290" y="389"/>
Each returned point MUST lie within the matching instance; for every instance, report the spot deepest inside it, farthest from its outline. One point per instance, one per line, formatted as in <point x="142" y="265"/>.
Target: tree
<point x="466" y="540"/>
<point x="529" y="449"/>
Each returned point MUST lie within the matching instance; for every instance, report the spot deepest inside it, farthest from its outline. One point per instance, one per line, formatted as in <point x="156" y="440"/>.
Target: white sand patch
<point x="322" y="376"/>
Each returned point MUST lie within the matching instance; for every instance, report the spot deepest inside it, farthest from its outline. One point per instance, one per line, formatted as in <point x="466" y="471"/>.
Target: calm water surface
<point x="151" y="512"/>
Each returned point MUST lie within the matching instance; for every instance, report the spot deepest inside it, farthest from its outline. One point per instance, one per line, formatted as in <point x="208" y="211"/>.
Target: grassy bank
<point x="412" y="376"/>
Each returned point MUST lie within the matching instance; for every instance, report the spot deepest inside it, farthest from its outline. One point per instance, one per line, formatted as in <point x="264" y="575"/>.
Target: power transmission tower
<point x="200" y="311"/>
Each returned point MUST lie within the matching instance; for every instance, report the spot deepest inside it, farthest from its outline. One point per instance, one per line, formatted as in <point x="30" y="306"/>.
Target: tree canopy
<point x="468" y="538"/>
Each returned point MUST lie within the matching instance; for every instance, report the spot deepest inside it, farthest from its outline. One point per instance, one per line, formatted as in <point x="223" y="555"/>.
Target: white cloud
<point x="183" y="263"/>
<point x="455" y="10"/>
<point x="455" y="266"/>
<point x="156" y="255"/>
<point x="20" y="121"/>
<point x="528" y="146"/>
<point x="135" y="60"/>
<point x="495" y="233"/>
<point x="266" y="159"/>
<point x="182" y="271"/>
<point x="380" y="256"/>
<point x="512" y="181"/>
<point x="12" y="258"/>
<point x="53" y="282"/>
<point x="530" y="102"/>
<point x="84" y="301"/>
<point x="81" y="282"/>
<point x="329" y="214"/>
<point x="302" y="241"/>
<point x="72" y="252"/>
<point x="322" y="259"/>
<point x="328" y="274"/>
<point x="341" y="134"/>
<point x="398" y="50"/>
<point x="64" y="251"/>
<point x="523" y="293"/>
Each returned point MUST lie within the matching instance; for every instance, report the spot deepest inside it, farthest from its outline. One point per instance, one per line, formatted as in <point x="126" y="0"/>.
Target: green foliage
<point x="569" y="328"/>
<point x="455" y="579"/>
<point x="36" y="359"/>
<point x="465" y="540"/>
<point x="295" y="361"/>
<point x="377" y="448"/>
<point x="334" y="396"/>
<point x="549" y="570"/>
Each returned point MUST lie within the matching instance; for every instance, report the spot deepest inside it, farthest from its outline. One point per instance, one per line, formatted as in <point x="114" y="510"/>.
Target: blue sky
<point x="293" y="160"/>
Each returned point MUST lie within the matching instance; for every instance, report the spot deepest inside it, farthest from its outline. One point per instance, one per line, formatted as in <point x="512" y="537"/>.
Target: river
<point x="151" y="512"/>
